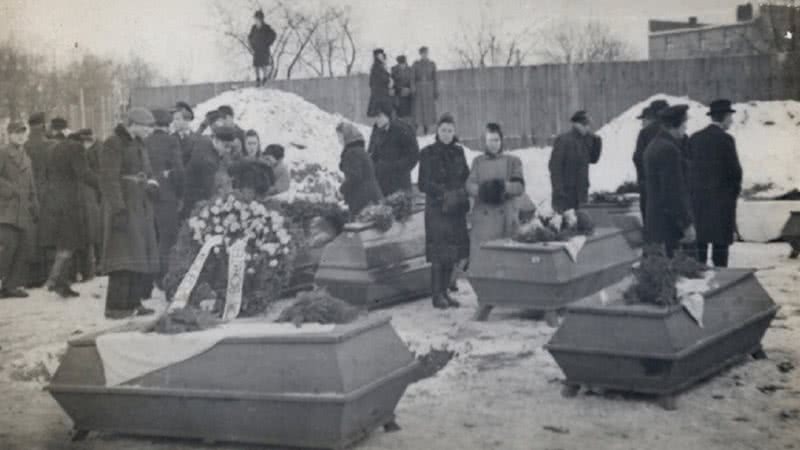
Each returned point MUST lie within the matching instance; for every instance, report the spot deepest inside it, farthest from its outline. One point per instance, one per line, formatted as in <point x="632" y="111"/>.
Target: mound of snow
<point x="307" y="132"/>
<point x="767" y="139"/>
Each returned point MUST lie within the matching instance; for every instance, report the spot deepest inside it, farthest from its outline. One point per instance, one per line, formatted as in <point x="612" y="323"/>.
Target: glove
<point x="119" y="220"/>
<point x="689" y="235"/>
<point x="492" y="192"/>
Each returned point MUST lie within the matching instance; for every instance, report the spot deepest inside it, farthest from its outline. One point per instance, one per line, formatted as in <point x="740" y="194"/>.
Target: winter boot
<point x="439" y="302"/>
<point x="447" y="274"/>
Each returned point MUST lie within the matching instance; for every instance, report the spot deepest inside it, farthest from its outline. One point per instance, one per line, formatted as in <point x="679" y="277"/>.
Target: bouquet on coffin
<point x="553" y="227"/>
<point x="625" y="195"/>
<point x="397" y="207"/>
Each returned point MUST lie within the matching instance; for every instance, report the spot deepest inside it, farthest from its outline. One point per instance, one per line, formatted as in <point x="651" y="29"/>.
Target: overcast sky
<point x="179" y="38"/>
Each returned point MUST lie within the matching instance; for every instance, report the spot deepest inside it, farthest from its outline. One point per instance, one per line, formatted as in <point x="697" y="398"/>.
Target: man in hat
<point x="425" y="91"/>
<point x="165" y="162"/>
<point x="88" y="259"/>
<point x="668" y="218"/>
<point x="229" y="120"/>
<point x="213" y="119"/>
<point x="38" y="148"/>
<point x="19" y="211"/>
<point x="67" y="228"/>
<point x="715" y="182"/>
<point x="58" y="129"/>
<point x="203" y="173"/>
<point x="182" y="117"/>
<point x="130" y="249"/>
<point x="573" y="152"/>
<point x="394" y="150"/>
<point x="261" y="38"/>
<point x="651" y="125"/>
<point x="401" y="75"/>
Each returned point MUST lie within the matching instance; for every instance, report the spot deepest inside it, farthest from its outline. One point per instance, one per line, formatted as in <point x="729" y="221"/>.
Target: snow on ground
<point x="501" y="390"/>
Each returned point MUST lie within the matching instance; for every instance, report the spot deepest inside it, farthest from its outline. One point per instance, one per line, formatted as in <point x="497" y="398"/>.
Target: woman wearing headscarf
<point x="443" y="172"/>
<point x="494" y="183"/>
<point x="380" y="82"/>
<point x="360" y="187"/>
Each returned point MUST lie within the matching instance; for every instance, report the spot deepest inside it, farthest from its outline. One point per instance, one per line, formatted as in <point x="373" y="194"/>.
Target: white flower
<point x="215" y="210"/>
<point x="245" y="214"/>
<point x="218" y="202"/>
<point x="271" y="248"/>
<point x="284" y="239"/>
<point x="234" y="227"/>
<point x="204" y="213"/>
<point x="251" y="271"/>
<point x="238" y="205"/>
<point x="230" y="198"/>
<point x="216" y="250"/>
<point x="285" y="251"/>
<point x="273" y="263"/>
<point x="216" y="220"/>
<point x="218" y="229"/>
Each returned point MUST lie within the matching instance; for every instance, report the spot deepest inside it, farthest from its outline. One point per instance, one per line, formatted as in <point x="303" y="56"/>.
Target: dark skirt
<point x="446" y="236"/>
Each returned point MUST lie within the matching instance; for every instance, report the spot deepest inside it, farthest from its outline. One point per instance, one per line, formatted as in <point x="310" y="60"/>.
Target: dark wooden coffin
<point x="791" y="233"/>
<point x="321" y="390"/>
<point x="662" y="350"/>
<point x="627" y="218"/>
<point x="304" y="270"/>
<point x="373" y="268"/>
<point x="543" y="277"/>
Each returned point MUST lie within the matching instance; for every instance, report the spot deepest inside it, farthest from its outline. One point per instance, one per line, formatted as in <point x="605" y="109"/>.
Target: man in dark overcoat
<point x="425" y="91"/>
<point x="572" y="154"/>
<point x="66" y="226"/>
<point x="200" y="181"/>
<point x="651" y="125"/>
<point x="182" y="117"/>
<point x="130" y="250"/>
<point x="401" y="76"/>
<point x="715" y="183"/>
<point x="88" y="262"/>
<point x="165" y="162"/>
<point x="261" y="38"/>
<point x="19" y="211"/>
<point x="668" y="218"/>
<point x="394" y="150"/>
<point x="38" y="148"/>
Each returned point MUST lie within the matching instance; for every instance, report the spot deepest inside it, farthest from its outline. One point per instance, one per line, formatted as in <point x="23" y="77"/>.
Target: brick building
<point x="755" y="31"/>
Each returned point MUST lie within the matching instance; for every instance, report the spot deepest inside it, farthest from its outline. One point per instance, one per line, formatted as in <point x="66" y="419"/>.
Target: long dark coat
<point x="66" y="225"/>
<point x="38" y="149"/>
<point x="92" y="198"/>
<point x="425" y="87"/>
<point x="186" y="144"/>
<point x="360" y="187"/>
<point x="19" y="206"/>
<point x="132" y="245"/>
<point x="443" y="169"/>
<point x="715" y="181"/>
<point x="646" y="135"/>
<point x="199" y="174"/>
<point x="401" y="75"/>
<point x="394" y="152"/>
<point x="165" y="161"/>
<point x="379" y="81"/>
<point x="569" y="168"/>
<point x="261" y="39"/>
<point x="668" y="206"/>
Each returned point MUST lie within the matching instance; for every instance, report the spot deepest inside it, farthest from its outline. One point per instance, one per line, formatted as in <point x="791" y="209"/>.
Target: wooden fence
<point x="533" y="103"/>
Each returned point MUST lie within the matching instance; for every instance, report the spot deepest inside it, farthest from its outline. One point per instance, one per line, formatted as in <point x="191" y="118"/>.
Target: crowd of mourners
<point x="72" y="207"/>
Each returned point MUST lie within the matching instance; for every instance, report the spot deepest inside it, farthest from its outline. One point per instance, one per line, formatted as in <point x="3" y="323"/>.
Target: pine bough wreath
<point x="396" y="207"/>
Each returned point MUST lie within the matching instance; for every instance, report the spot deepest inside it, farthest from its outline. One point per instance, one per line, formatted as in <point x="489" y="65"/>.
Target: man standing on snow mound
<point x="651" y="125"/>
<point x="668" y="219"/>
<point x="261" y="38"/>
<point x="394" y="150"/>
<point x="573" y="151"/>
<point x="130" y="249"/>
<point x="715" y="182"/>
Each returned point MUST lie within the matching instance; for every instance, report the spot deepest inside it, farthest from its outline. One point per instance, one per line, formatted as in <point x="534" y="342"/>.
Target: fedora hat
<point x="720" y="106"/>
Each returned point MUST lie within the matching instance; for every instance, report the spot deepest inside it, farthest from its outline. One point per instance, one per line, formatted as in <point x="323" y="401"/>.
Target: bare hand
<point x="689" y="235"/>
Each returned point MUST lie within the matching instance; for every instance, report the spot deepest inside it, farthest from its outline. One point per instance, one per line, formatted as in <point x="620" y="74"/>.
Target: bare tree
<point x="490" y="45"/>
<point x="570" y="42"/>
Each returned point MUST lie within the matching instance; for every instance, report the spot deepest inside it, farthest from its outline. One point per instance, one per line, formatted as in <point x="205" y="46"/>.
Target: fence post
<point x="83" y="109"/>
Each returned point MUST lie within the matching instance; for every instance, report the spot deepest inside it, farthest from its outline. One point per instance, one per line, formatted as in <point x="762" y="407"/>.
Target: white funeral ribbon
<point x="181" y="297"/>
<point x="236" y="266"/>
<point x="574" y="247"/>
<point x="690" y="293"/>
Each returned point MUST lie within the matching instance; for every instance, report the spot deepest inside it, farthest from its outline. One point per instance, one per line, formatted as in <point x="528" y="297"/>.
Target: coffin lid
<point x="361" y="226"/>
<point x="338" y="334"/>
<point x="546" y="247"/>
<point x="593" y="305"/>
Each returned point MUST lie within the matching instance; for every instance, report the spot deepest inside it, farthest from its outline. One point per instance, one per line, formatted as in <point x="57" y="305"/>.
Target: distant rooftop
<point x="657" y="26"/>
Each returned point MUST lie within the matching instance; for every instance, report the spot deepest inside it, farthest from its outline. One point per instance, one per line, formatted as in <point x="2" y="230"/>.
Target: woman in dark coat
<point x="443" y="172"/>
<point x="360" y="187"/>
<point x="67" y="227"/>
<point x="380" y="83"/>
<point x="261" y="37"/>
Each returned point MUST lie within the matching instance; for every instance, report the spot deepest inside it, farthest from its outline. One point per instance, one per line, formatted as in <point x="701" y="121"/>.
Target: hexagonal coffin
<point x="627" y="218"/>
<point x="372" y="268"/>
<point x="321" y="389"/>
<point x="662" y="350"/>
<point x="543" y="277"/>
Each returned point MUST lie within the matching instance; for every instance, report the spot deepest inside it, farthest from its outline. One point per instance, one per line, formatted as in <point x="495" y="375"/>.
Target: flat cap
<point x="162" y="117"/>
<point x="16" y="127"/>
<point x="185" y="107"/>
<point x="225" y="110"/>
<point x="674" y="115"/>
<point x="36" y="119"/>
<point x="225" y="133"/>
<point x="580" y="117"/>
<point x="141" y="116"/>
